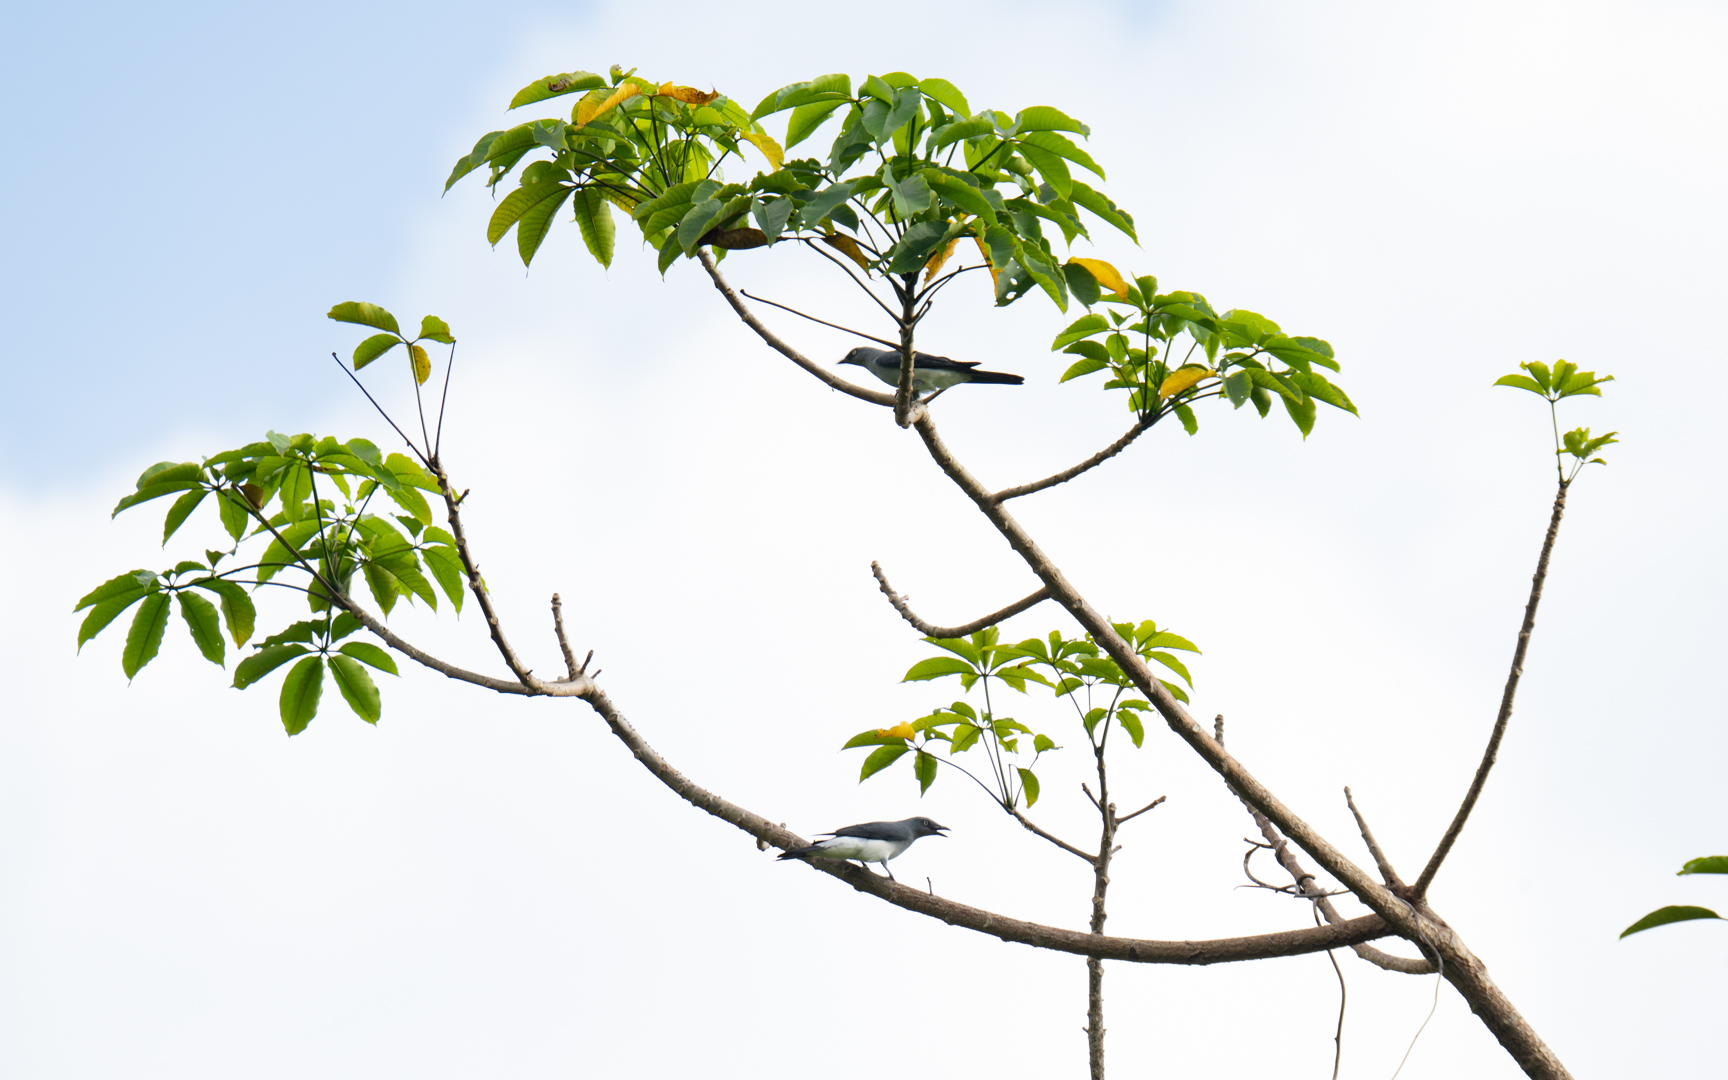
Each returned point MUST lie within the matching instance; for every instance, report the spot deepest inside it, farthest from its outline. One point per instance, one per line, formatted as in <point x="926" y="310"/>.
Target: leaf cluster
<point x="911" y="172"/>
<point x="1239" y="356"/>
<point x="1073" y="669"/>
<point x="1553" y="385"/>
<point x="299" y="506"/>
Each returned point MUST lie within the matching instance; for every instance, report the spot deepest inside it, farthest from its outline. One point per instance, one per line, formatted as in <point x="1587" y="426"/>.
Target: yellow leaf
<point x="422" y="364"/>
<point x="1105" y="273"/>
<point x="979" y="240"/>
<point x="687" y="94"/>
<point x="934" y="266"/>
<point x="898" y="731"/>
<point x="591" y="108"/>
<point x="1182" y="378"/>
<point x="770" y="149"/>
<point x="849" y="246"/>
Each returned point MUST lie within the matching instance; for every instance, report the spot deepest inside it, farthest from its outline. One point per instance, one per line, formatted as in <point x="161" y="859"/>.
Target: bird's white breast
<point x="853" y="847"/>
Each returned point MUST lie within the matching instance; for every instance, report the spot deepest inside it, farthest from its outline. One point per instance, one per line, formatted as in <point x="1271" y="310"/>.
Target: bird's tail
<point x="798" y="853"/>
<point x="996" y="377"/>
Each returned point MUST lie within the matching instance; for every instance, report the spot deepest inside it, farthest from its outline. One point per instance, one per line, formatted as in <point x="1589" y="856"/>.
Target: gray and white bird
<point x="871" y="842"/>
<point x="932" y="374"/>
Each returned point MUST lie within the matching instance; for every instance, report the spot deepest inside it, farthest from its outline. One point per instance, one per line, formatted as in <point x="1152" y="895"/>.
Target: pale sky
<point x="482" y="886"/>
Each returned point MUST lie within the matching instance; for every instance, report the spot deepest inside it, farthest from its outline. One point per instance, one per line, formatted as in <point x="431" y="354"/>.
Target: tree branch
<point x="1142" y="810"/>
<point x="905" y="609"/>
<point x="1387" y="874"/>
<point x="452" y="511"/>
<point x="1300" y="875"/>
<point x="1091" y="861"/>
<point x="1068" y="474"/>
<point x="1493" y="751"/>
<point x="1134" y="950"/>
<point x="832" y="326"/>
<point x="563" y="642"/>
<point x="779" y="346"/>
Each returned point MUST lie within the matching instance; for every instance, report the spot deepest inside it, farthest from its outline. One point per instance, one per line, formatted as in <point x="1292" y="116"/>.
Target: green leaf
<point x="383" y="586"/>
<point x="1051" y="143"/>
<point x="1191" y="424"/>
<point x="1029" y="784"/>
<point x="1044" y="118"/>
<point x="1237" y="386"/>
<point x="1709" y="864"/>
<point x="824" y="203"/>
<point x="1081" y="328"/>
<point x="432" y="328"/>
<point x="536" y="220"/>
<point x="412" y="501"/>
<point x="113" y="599"/>
<point x="365" y="315"/>
<point x="924" y="768"/>
<point x="1671" y="914"/>
<point x="1081" y="283"/>
<point x="371" y="654"/>
<point x="936" y="667"/>
<point x="807" y="118"/>
<point x="594" y="218"/>
<point x="238" y="612"/>
<point x="1043" y="744"/>
<point x="144" y="638"/>
<point x="180" y="511"/>
<point x="300" y="693"/>
<point x="133" y="581"/>
<point x="374" y="347"/>
<point x="1301" y="411"/>
<point x="874" y="737"/>
<point x="446" y="567"/>
<point x="1095" y="201"/>
<point x="947" y="94"/>
<point x="357" y="688"/>
<point x="263" y="662"/>
<point x="200" y="616"/>
<point x="555" y="86"/>
<point x="879" y="759"/>
<point x="958" y="193"/>
<point x="234" y="516"/>
<point x="153" y="491"/>
<point x="1130" y="722"/>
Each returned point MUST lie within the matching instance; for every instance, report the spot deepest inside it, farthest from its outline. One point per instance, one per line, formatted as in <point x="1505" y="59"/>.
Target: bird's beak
<point x="942" y="831"/>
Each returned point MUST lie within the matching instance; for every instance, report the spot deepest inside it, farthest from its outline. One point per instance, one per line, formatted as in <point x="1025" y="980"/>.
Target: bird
<point x="873" y="841"/>
<point x="932" y="373"/>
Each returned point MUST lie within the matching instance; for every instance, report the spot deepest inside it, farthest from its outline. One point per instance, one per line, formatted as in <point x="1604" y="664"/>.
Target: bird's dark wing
<point x="943" y="363"/>
<point x="874" y="830"/>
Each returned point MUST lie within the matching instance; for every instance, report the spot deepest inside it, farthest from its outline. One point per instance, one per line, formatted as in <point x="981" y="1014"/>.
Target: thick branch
<point x="1493" y="752"/>
<point x="905" y="609"/>
<point x="1068" y="474"/>
<point x="1133" y="950"/>
<point x="779" y="346"/>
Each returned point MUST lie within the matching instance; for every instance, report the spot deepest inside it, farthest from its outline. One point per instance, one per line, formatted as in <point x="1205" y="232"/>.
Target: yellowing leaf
<point x="934" y="266"/>
<point x="898" y="731"/>
<point x="1182" y="378"/>
<point x="1106" y="274"/>
<point x="770" y="149"/>
<point x="422" y="364"/>
<point x="988" y="265"/>
<point x="592" y="108"/>
<point x="849" y="246"/>
<point x="687" y="94"/>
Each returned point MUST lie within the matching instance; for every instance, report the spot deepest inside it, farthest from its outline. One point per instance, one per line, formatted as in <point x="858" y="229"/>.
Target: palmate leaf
<point x="300" y="693"/>
<point x="357" y="687"/>
<point x="881" y="758"/>
<point x="144" y="639"/>
<point x="201" y="620"/>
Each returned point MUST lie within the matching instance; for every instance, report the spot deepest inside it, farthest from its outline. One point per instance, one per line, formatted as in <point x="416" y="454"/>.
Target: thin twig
<point x="380" y="408"/>
<point x="476" y="585"/>
<point x="444" y="400"/>
<point x="564" y="642"/>
<point x="1343" y="999"/>
<point x="779" y="346"/>
<point x="1387" y="874"/>
<point x="1058" y="841"/>
<point x="846" y="268"/>
<point x="1068" y="474"/>
<point x="836" y="326"/>
<point x="1142" y="810"/>
<point x="1420" y="889"/>
<point x="928" y="630"/>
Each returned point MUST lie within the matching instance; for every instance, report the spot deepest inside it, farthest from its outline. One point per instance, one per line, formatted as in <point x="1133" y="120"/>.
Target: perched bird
<point x="873" y="841"/>
<point x="929" y="373"/>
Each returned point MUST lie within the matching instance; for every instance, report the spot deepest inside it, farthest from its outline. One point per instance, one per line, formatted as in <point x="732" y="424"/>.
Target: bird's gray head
<point x="923" y="826"/>
<point x="860" y="356"/>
